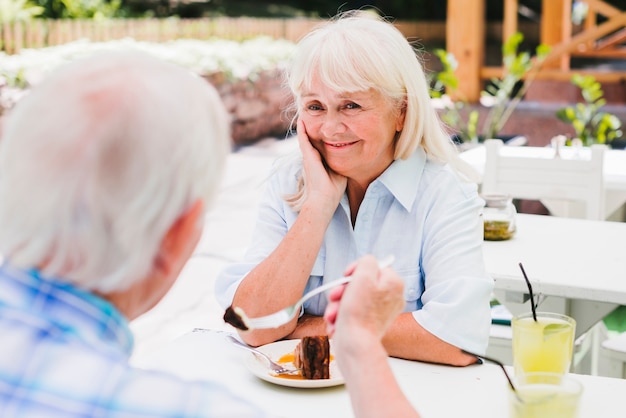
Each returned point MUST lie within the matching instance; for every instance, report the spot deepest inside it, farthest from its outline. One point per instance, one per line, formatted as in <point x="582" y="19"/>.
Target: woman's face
<point x="354" y="132"/>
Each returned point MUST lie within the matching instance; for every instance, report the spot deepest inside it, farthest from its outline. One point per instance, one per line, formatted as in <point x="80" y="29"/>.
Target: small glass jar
<point x="499" y="217"/>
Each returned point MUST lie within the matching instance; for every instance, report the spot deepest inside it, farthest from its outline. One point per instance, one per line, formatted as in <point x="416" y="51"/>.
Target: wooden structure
<point x="596" y="38"/>
<point x="41" y="33"/>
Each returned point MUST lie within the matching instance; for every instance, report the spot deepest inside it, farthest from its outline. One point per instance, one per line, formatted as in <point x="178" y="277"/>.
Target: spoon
<point x="238" y="318"/>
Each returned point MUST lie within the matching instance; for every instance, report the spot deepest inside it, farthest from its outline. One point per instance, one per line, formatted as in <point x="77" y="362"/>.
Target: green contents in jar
<point x="498" y="230"/>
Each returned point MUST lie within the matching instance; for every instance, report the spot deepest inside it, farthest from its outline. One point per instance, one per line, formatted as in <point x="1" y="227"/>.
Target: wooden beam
<point x="602" y="8"/>
<point x="465" y="38"/>
<point x="615" y="53"/>
<point x="556" y="29"/>
<point x="559" y="75"/>
<point x="605" y="28"/>
<point x="613" y="40"/>
<point x="509" y="26"/>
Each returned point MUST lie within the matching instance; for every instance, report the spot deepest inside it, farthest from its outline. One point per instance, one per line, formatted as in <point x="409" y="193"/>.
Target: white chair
<point x="614" y="353"/>
<point x="574" y="183"/>
<point x="568" y="180"/>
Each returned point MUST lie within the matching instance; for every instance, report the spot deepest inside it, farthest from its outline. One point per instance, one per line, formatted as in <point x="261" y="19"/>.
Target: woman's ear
<point x="401" y="117"/>
<point x="180" y="240"/>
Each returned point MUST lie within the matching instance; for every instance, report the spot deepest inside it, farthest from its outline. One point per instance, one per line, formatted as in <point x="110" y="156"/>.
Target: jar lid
<point x="496" y="200"/>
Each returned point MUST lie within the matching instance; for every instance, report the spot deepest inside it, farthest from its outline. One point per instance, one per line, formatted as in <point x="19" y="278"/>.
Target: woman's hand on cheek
<point x="310" y="155"/>
<point x="321" y="180"/>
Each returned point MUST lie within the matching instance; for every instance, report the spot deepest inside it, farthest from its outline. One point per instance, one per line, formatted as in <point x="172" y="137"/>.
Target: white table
<point x="579" y="264"/>
<point x="614" y="167"/>
<point x="436" y="391"/>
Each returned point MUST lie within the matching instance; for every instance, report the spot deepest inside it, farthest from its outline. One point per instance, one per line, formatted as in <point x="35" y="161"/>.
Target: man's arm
<point x="358" y="315"/>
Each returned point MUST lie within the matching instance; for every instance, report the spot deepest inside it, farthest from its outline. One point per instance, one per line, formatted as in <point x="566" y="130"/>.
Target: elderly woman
<point x="378" y="174"/>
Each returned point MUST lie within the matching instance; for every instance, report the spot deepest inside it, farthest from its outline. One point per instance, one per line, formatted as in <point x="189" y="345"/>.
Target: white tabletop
<point x="436" y="391"/>
<point x="575" y="259"/>
<point x="614" y="166"/>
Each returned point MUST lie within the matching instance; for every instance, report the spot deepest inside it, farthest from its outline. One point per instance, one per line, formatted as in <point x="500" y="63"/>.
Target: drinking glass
<point x="545" y="395"/>
<point x="542" y="345"/>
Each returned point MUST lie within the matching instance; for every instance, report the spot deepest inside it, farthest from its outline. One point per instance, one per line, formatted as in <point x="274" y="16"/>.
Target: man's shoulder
<point x="79" y="380"/>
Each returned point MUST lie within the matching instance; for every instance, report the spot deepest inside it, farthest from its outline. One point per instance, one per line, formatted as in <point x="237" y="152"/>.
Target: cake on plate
<point x="312" y="357"/>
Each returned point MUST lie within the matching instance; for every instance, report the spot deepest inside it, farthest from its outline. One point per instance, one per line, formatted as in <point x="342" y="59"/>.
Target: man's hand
<point x="370" y="302"/>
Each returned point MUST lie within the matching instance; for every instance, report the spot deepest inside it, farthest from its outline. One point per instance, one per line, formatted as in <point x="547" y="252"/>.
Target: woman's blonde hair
<point x="358" y="51"/>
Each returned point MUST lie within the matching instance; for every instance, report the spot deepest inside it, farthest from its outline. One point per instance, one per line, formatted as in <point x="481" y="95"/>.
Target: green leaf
<point x="542" y="51"/>
<point x="510" y="45"/>
<point x="566" y="114"/>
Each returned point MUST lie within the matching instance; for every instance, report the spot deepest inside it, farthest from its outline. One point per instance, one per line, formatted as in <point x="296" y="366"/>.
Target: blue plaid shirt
<point x="64" y="353"/>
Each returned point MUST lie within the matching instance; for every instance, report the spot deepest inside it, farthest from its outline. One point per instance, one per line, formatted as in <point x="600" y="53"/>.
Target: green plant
<point x="589" y="122"/>
<point x="82" y="9"/>
<point x="501" y="95"/>
<point x="90" y="9"/>
<point x="444" y="81"/>
<point x="18" y="11"/>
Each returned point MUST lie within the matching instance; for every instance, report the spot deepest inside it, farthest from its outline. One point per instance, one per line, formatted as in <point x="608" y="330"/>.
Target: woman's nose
<point x="332" y="125"/>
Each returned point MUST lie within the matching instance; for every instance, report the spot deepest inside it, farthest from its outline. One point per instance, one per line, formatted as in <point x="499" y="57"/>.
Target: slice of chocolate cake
<point x="312" y="357"/>
<point x="236" y="317"/>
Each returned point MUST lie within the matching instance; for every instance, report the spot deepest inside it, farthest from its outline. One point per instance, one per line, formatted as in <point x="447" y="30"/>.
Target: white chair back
<point x="571" y="182"/>
<point x="537" y="178"/>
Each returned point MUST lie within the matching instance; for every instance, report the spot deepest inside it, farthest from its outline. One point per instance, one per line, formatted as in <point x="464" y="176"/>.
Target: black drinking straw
<point x="492" y="360"/>
<point x="530" y="290"/>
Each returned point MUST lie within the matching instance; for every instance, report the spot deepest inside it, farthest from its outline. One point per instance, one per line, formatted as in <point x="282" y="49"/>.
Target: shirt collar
<point x="66" y="308"/>
<point x="402" y="176"/>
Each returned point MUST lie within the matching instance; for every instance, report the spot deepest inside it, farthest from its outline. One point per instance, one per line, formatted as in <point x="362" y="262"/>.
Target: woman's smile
<point x="353" y="131"/>
<point x="339" y="145"/>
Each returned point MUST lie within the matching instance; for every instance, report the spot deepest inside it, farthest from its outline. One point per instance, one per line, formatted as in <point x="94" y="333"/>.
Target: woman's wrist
<point x="318" y="209"/>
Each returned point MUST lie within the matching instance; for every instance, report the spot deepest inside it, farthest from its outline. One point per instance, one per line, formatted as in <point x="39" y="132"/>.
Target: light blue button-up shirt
<point x="419" y="211"/>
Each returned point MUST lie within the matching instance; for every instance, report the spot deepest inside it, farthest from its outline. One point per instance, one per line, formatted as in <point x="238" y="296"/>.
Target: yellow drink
<point x="545" y="345"/>
<point x="545" y="395"/>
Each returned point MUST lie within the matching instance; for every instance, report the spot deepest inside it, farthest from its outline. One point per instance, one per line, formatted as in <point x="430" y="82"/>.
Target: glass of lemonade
<point x="545" y="345"/>
<point x="545" y="395"/>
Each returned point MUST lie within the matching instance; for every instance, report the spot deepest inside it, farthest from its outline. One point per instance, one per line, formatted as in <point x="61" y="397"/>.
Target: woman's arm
<point x="281" y="278"/>
<point x="405" y="338"/>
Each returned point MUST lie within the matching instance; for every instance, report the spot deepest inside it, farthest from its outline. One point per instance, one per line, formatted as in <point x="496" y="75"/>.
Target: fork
<point x="275" y="367"/>
<point x="285" y="315"/>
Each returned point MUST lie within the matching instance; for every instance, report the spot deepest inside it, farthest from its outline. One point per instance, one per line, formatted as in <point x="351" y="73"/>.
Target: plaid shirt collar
<point x="63" y="309"/>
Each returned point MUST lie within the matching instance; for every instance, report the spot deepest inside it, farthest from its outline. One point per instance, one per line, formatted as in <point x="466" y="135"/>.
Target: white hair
<point x="100" y="160"/>
<point x="359" y="51"/>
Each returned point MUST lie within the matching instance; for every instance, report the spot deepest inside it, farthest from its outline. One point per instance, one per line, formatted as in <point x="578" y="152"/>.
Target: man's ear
<point x="180" y="240"/>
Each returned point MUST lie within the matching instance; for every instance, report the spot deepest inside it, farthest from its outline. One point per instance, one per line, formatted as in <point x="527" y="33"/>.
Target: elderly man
<point x="106" y="169"/>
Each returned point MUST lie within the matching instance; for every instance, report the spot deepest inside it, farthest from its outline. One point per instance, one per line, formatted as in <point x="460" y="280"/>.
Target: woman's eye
<point x="313" y="107"/>
<point x="352" y="106"/>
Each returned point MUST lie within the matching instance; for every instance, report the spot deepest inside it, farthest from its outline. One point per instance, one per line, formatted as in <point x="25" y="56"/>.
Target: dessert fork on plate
<point x="277" y="368"/>
<point x="287" y="314"/>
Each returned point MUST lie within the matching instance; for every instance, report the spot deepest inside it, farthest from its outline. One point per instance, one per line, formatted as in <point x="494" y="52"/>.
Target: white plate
<point x="276" y="350"/>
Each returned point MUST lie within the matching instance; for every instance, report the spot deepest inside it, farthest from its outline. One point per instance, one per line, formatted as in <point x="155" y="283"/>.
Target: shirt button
<point x="412" y="293"/>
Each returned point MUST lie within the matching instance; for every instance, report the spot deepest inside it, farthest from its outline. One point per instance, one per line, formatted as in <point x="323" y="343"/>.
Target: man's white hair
<point x="100" y="160"/>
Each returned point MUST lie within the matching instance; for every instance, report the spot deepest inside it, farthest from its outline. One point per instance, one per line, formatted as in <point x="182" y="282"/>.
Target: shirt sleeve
<point x="457" y="288"/>
<point x="273" y="219"/>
